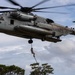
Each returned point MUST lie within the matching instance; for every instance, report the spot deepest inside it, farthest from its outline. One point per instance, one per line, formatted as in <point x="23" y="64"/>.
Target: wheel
<point x="58" y="37"/>
<point x="43" y="39"/>
<point x="30" y="41"/>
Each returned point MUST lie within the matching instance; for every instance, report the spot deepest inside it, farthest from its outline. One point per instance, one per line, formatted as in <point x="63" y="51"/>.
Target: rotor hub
<point x="26" y="9"/>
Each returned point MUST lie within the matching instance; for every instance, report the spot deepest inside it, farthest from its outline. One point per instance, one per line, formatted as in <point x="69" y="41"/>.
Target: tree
<point x="44" y="69"/>
<point x="47" y="69"/>
<point x="11" y="70"/>
<point x="2" y="69"/>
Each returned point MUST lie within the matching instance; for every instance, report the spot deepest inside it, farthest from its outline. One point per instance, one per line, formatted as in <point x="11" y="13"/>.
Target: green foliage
<point x="11" y="69"/>
<point x="44" y="69"/>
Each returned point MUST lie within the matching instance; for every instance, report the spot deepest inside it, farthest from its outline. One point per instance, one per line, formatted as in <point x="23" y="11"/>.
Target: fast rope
<point x="32" y="51"/>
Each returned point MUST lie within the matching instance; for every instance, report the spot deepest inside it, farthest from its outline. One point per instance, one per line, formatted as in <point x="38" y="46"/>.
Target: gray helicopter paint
<point x="31" y="28"/>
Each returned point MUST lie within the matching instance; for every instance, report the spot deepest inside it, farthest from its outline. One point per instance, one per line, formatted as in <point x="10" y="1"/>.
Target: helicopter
<point x="21" y="22"/>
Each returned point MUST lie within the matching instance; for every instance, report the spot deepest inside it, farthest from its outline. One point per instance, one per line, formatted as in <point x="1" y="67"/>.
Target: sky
<point x="61" y="55"/>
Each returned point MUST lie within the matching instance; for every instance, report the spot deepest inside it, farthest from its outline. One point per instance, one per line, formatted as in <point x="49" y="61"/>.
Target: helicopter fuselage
<point x="32" y="26"/>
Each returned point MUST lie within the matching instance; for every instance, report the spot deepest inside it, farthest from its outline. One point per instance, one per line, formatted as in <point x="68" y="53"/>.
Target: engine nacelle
<point x="21" y="16"/>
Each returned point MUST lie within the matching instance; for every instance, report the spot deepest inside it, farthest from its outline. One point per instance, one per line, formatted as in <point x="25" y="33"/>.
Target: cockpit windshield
<point x="49" y="21"/>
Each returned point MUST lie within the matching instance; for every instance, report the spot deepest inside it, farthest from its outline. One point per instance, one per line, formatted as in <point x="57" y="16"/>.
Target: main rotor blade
<point x="54" y="7"/>
<point x="52" y="12"/>
<point x="7" y="11"/>
<point x="2" y="7"/>
<point x="40" y="3"/>
<point x="14" y="3"/>
<point x="73" y="21"/>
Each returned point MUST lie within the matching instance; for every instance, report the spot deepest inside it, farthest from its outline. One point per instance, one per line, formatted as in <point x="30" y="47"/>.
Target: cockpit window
<point x="12" y="22"/>
<point x="49" y="21"/>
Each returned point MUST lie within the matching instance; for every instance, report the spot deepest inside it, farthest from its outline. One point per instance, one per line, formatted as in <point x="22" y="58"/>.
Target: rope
<point x="33" y="53"/>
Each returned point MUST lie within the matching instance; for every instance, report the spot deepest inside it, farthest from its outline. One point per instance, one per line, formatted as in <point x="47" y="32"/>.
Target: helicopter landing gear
<point x="58" y="37"/>
<point x="30" y="41"/>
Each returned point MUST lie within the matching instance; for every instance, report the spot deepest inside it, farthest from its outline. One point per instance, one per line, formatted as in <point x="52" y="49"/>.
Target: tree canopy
<point x="36" y="69"/>
<point x="11" y="70"/>
<point x="43" y="69"/>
